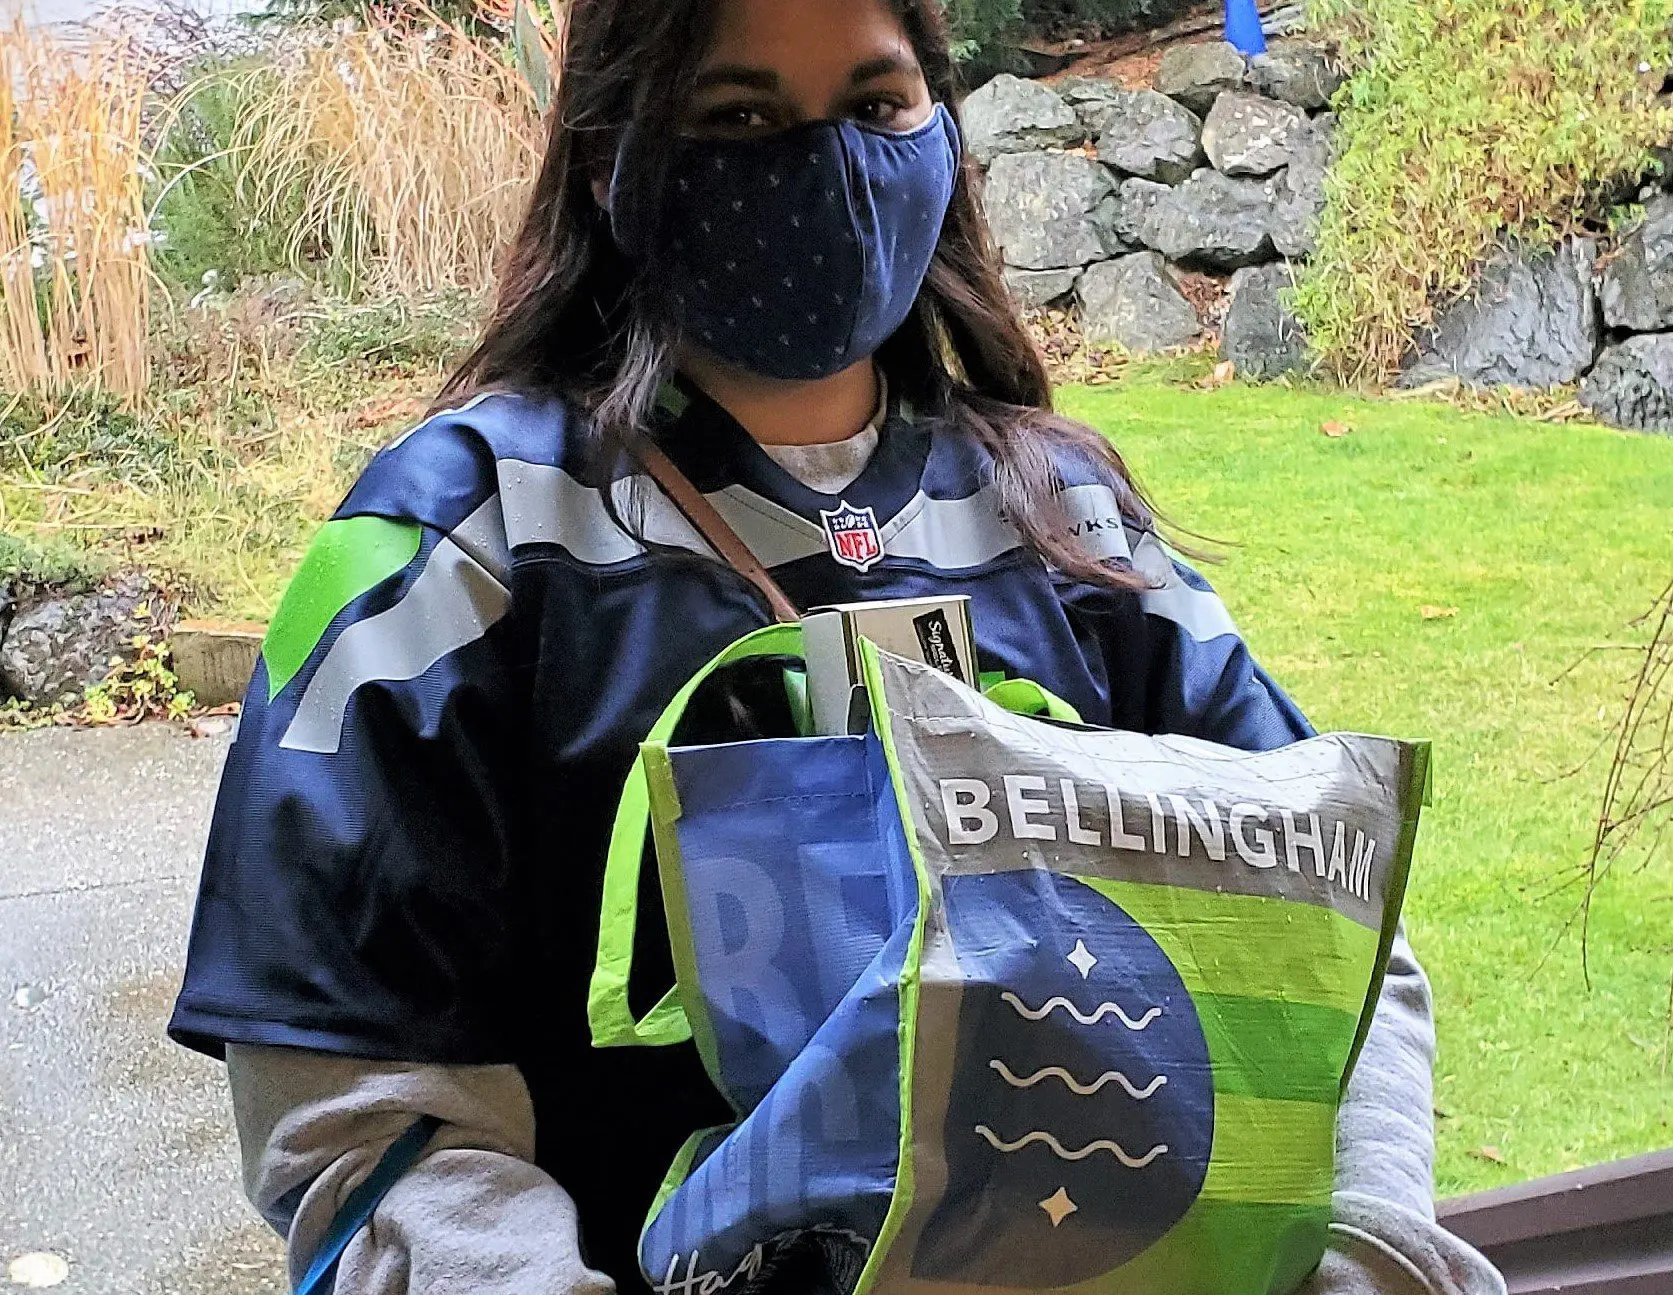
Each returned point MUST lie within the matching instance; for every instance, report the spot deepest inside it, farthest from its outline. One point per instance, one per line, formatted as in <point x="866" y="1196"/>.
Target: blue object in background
<point x="1243" y="27"/>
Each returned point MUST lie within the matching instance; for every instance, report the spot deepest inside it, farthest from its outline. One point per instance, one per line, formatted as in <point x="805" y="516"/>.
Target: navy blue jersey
<point x="407" y="853"/>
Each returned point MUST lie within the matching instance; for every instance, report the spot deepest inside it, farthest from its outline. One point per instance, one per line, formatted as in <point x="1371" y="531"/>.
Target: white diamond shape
<point x="1082" y="957"/>
<point x="1058" y="1207"/>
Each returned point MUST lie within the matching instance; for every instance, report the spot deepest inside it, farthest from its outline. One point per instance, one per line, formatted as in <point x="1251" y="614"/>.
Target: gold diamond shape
<point x="1058" y="1206"/>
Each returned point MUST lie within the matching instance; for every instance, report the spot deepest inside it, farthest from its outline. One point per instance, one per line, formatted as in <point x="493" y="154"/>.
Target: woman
<point x="752" y="242"/>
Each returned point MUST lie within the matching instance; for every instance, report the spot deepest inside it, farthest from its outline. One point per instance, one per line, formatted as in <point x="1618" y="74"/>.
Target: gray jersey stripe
<point x="774" y="534"/>
<point x="453" y="603"/>
<point x="482" y="535"/>
<point x="1199" y="612"/>
<point x="958" y="533"/>
<point x="951" y="533"/>
<point x="546" y="505"/>
<point x="1094" y="515"/>
<point x="651" y="514"/>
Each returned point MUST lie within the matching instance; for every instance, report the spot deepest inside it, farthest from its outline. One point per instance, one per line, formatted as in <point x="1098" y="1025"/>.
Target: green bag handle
<point x="1025" y="697"/>
<point x="608" y="1012"/>
<point x="612" y="1020"/>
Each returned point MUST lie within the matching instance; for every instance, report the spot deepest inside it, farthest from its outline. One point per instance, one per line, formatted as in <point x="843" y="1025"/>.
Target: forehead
<point x="791" y="34"/>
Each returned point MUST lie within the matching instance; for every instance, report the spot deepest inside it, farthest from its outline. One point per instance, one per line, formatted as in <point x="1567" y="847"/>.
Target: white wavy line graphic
<point x="1058" y="1149"/>
<point x="1104" y="1009"/>
<point x="1075" y="1086"/>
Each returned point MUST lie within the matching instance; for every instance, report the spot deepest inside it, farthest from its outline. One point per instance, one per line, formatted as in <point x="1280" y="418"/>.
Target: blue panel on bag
<point x="786" y="845"/>
<point x="813" y="1059"/>
<point x="821" y="1152"/>
<point x="1079" y="1129"/>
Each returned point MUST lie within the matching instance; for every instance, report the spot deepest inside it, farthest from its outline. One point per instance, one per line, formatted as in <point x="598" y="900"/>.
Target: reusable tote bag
<point x="1004" y="1003"/>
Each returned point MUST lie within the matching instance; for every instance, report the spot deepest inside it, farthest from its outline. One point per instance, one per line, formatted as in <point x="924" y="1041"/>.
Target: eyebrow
<point x="887" y="65"/>
<point x="767" y="81"/>
<point x="735" y="74"/>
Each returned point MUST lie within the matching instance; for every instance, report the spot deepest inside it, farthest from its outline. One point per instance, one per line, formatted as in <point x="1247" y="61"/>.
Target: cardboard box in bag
<point x="936" y="631"/>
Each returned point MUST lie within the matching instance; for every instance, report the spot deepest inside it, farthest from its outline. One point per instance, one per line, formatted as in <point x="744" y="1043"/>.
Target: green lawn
<point x="1547" y="540"/>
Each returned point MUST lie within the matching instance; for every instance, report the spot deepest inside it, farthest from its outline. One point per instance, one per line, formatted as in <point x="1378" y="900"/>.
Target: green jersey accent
<point x="347" y="558"/>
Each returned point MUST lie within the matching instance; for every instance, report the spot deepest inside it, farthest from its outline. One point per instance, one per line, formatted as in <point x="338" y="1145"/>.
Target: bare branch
<point x="1637" y="810"/>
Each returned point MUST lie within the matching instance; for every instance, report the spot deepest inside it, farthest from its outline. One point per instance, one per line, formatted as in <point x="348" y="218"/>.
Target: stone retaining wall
<point x="1181" y="210"/>
<point x="1589" y="311"/>
<point x="1167" y="212"/>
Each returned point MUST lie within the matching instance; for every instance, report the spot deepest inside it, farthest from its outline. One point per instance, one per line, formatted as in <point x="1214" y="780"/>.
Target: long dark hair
<point x="573" y="316"/>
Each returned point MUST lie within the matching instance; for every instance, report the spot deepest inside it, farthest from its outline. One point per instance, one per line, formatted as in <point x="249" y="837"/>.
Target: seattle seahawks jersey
<point x="407" y="852"/>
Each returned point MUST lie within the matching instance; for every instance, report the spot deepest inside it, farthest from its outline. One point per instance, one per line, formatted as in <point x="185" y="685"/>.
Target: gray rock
<point x="1213" y="221"/>
<point x="1011" y="115"/>
<point x="1150" y="136"/>
<point x="1032" y="289"/>
<point x="1297" y="73"/>
<point x="1245" y="134"/>
<point x="1260" y="336"/>
<point x="1532" y="321"/>
<point x="1039" y="207"/>
<point x="1197" y="74"/>
<point x="1285" y="20"/>
<point x="1637" y="288"/>
<point x="1093" y="99"/>
<point x="1295" y="218"/>
<point x="1135" y="303"/>
<point x="62" y="644"/>
<point x="1121" y="218"/>
<point x="1632" y="384"/>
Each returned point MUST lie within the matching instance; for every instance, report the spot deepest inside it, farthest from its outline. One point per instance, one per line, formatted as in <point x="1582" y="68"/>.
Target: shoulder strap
<point x="363" y="1201"/>
<point x="713" y="527"/>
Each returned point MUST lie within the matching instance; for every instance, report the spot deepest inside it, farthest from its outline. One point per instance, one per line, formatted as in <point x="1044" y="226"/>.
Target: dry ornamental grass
<point x="73" y="267"/>
<point x="415" y="149"/>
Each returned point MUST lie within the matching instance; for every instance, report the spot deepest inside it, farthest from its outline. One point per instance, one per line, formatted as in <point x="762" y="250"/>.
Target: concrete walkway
<point x="116" y="1146"/>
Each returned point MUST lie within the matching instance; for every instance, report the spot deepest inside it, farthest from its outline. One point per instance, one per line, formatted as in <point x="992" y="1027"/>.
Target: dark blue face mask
<point x="794" y="255"/>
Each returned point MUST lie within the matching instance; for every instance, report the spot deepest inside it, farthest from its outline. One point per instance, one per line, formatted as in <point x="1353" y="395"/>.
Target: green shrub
<point x="207" y="211"/>
<point x="89" y="429"/>
<point x="393" y="334"/>
<point x="26" y="564"/>
<point x="465" y="14"/>
<point x="978" y="24"/>
<point x="983" y="27"/>
<point x="1463" y="122"/>
<point x="139" y="688"/>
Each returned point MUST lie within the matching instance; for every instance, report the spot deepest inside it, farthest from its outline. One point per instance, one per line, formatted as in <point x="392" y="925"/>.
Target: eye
<point x="735" y="120"/>
<point x="890" y="106"/>
<point x="882" y="110"/>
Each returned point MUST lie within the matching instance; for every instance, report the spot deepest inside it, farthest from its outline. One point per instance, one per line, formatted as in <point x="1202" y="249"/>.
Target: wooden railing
<point x="1607" y="1230"/>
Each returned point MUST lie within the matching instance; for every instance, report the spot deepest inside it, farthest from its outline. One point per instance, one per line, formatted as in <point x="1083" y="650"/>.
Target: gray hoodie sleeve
<point x="474" y="1214"/>
<point x="1383" y="1237"/>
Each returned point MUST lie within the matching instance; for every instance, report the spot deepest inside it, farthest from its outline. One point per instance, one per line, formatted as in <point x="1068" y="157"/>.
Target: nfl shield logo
<point x="855" y="541"/>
